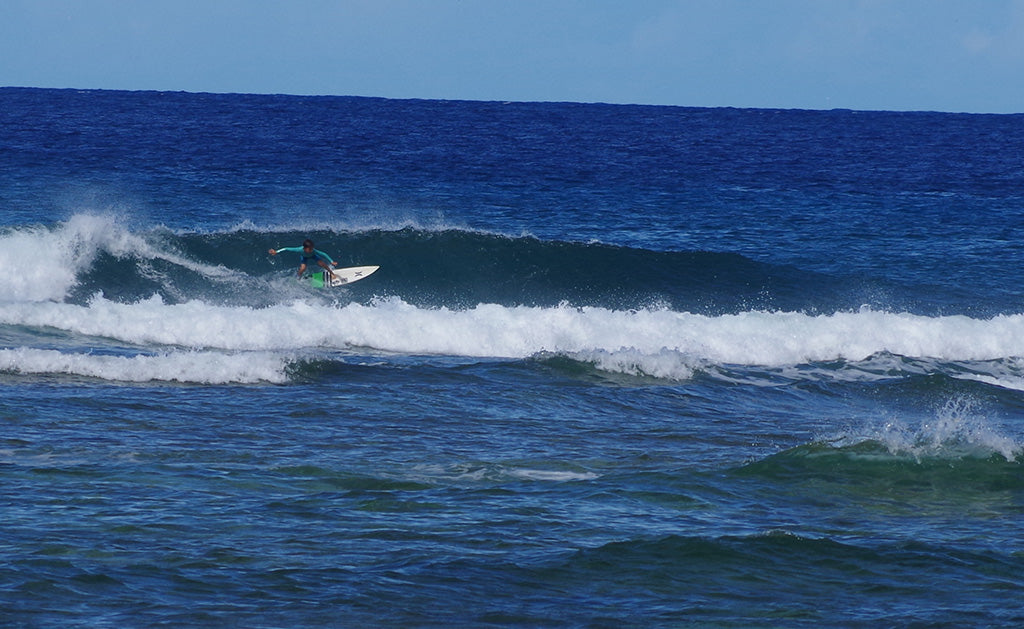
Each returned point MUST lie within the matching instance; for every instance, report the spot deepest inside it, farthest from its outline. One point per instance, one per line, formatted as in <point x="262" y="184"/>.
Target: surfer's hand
<point x="334" y="264"/>
<point x="273" y="253"/>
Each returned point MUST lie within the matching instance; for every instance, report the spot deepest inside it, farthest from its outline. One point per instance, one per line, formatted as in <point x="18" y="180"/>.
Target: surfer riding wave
<point x="310" y="255"/>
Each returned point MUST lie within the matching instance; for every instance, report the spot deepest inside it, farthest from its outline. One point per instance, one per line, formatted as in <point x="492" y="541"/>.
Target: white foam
<point x="1007" y="374"/>
<point x="38" y="264"/>
<point x="750" y="338"/>
<point x="665" y="364"/>
<point x="497" y="472"/>
<point x="1015" y="384"/>
<point x="553" y="476"/>
<point x="180" y="366"/>
<point x="41" y="264"/>
<point x="659" y="343"/>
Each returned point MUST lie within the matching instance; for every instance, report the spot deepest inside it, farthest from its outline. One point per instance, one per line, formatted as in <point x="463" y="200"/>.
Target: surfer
<point x="309" y="255"/>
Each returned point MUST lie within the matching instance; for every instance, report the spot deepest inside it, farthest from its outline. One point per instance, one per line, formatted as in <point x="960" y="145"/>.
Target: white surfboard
<point x="342" y="277"/>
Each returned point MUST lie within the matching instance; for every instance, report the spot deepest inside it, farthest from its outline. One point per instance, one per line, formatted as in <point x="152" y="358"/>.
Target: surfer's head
<point x="307" y="244"/>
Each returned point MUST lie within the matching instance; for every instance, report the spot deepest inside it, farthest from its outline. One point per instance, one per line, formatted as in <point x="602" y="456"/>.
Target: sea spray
<point x="959" y="428"/>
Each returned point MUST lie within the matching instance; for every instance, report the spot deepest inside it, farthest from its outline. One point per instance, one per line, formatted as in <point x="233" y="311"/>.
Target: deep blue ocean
<point x="620" y="366"/>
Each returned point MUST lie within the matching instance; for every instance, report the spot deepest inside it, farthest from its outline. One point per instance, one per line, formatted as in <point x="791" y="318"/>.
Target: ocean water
<point x="620" y="366"/>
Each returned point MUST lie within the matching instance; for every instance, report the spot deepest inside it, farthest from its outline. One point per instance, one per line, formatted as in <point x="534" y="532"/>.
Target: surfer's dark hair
<point x="307" y="243"/>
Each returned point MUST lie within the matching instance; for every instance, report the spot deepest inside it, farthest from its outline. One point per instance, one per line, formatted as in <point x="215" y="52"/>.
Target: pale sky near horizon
<point x="941" y="55"/>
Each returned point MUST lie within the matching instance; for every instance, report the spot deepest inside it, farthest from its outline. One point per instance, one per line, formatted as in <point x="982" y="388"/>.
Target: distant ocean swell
<point x="821" y="578"/>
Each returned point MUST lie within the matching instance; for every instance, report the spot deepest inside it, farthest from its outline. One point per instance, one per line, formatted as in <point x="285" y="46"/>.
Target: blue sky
<point x="944" y="55"/>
